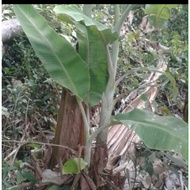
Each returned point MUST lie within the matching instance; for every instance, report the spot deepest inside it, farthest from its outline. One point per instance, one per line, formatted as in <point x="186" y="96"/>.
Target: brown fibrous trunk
<point x="69" y="131"/>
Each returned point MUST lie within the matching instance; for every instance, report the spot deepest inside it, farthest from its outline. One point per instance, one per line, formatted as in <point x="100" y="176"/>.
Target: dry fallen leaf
<point x="49" y="176"/>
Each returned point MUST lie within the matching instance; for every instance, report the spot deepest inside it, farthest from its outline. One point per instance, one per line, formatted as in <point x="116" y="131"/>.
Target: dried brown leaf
<point x="90" y="182"/>
<point x="49" y="176"/>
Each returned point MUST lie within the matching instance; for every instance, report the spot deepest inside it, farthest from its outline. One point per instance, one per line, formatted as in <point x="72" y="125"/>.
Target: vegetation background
<point x="30" y="98"/>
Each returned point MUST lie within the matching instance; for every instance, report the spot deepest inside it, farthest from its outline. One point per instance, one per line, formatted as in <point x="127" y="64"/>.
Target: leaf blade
<point x="60" y="59"/>
<point x="93" y="38"/>
<point x="71" y="166"/>
<point x="159" y="14"/>
<point x="157" y="132"/>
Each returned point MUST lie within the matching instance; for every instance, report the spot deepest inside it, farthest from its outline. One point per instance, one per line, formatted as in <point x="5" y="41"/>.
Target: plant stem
<point x="107" y="98"/>
<point x="87" y="154"/>
<point x="115" y="46"/>
<point x="121" y="20"/>
<point x="95" y="133"/>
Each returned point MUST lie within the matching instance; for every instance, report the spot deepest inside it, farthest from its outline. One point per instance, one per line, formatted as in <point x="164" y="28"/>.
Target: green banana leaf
<point x="158" y="132"/>
<point x="72" y="13"/>
<point x="93" y="38"/>
<point x="71" y="166"/>
<point x="60" y="59"/>
<point x="159" y="14"/>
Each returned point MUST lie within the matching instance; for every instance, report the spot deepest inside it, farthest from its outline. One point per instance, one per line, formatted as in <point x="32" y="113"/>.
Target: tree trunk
<point x="10" y="28"/>
<point x="69" y="131"/>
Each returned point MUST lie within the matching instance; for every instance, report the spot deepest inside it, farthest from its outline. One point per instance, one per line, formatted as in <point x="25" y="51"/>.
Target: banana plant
<point x="159" y="14"/>
<point x="89" y="74"/>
